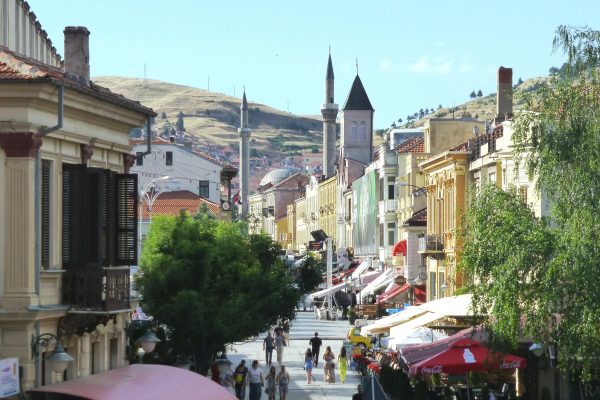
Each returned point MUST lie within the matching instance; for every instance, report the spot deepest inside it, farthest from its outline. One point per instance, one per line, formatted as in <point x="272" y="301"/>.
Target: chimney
<point x="77" y="54"/>
<point x="504" y="105"/>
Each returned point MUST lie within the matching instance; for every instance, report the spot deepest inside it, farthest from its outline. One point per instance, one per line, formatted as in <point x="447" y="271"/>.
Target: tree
<point x="179" y="124"/>
<point x="393" y="124"/>
<point x="520" y="81"/>
<point x="473" y="95"/>
<point x="479" y="93"/>
<point x="556" y="140"/>
<point x="308" y="274"/>
<point x="399" y="120"/>
<point x="210" y="284"/>
<point x="163" y="115"/>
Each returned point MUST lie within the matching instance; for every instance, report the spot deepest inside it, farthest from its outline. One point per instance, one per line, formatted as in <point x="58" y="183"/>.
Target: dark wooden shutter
<point x="74" y="216"/>
<point x="126" y="218"/>
<point x="45" y="213"/>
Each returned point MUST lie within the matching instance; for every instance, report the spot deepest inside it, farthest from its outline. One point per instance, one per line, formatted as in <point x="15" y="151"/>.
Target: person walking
<point x="255" y="380"/>
<point x="268" y="346"/>
<point x="308" y="364"/>
<point x="283" y="380"/>
<point x="329" y="367"/>
<point x="315" y="344"/>
<point x="343" y="363"/>
<point x="279" y="344"/>
<point x="270" y="387"/>
<point x="359" y="394"/>
<point x="239" y="377"/>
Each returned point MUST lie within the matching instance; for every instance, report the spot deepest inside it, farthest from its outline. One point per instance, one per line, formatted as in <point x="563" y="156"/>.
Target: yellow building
<point x="291" y="226"/>
<point x="301" y="233"/>
<point x="327" y="207"/>
<point x="68" y="230"/>
<point x="446" y="182"/>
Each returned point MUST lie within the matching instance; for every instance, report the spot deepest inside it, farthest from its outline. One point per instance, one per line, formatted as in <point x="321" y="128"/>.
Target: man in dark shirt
<point x="315" y="343"/>
<point x="359" y="395"/>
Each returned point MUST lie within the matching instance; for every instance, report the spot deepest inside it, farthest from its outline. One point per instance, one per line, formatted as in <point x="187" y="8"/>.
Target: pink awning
<point x="139" y="382"/>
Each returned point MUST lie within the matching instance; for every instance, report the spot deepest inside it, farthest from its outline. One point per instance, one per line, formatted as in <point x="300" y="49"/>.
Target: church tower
<point x="244" y="132"/>
<point x="329" y="112"/>
<point x="357" y="125"/>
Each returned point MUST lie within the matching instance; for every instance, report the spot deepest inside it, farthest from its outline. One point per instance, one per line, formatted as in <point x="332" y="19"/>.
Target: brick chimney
<point x="77" y="54"/>
<point x="504" y="104"/>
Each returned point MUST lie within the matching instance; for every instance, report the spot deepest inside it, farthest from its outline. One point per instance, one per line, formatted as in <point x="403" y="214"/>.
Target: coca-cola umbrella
<point x="467" y="355"/>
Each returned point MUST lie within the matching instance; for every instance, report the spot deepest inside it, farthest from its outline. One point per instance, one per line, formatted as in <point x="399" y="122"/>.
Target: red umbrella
<point x="467" y="355"/>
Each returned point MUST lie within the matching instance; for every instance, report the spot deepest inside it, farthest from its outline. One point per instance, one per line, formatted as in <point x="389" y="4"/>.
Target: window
<point x="169" y="158"/>
<point x="523" y="193"/>
<point x="354" y="132"/>
<point x="381" y="233"/>
<point x="363" y="131"/>
<point x="203" y="189"/>
<point x="391" y="233"/>
<point x="432" y="286"/>
<point x="442" y="291"/>
<point x="381" y="189"/>
<point x="45" y="213"/>
<point x="492" y="177"/>
<point x="114" y="353"/>
<point x="391" y="194"/>
<point x="139" y="158"/>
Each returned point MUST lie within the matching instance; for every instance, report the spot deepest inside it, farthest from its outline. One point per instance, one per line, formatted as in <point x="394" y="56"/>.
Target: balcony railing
<point x="431" y="244"/>
<point x="97" y="289"/>
<point x="387" y="206"/>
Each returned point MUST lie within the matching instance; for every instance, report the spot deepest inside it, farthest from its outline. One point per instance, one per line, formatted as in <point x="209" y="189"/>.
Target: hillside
<point x="212" y="119"/>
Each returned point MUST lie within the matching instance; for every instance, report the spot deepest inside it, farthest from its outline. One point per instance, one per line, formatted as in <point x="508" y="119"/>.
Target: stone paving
<point x="302" y="329"/>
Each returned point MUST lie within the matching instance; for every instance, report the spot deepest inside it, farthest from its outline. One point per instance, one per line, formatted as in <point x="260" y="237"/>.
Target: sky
<point x="409" y="54"/>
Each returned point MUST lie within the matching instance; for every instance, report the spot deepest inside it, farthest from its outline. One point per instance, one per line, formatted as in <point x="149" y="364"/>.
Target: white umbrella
<point x="417" y="336"/>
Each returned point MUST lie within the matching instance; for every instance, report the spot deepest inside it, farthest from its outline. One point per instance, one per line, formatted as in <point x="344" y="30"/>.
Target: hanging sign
<point x="9" y="377"/>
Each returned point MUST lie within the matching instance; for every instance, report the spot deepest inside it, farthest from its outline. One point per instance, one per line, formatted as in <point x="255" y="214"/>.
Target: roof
<point x="173" y="202"/>
<point x="460" y="147"/>
<point x="419" y="218"/>
<point x="158" y="141"/>
<point x="412" y="145"/>
<point x="329" y="69"/>
<point x="275" y="176"/>
<point x="244" y="102"/>
<point x="15" y="68"/>
<point x="141" y="381"/>
<point x="358" y="99"/>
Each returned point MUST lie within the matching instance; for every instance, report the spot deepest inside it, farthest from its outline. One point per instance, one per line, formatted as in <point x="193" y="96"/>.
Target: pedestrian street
<point x="302" y="329"/>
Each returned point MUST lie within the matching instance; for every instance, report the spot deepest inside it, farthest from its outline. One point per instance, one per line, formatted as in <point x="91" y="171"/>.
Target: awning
<point x="361" y="268"/>
<point x="383" y="325"/>
<point x="138" y="382"/>
<point x="419" y="335"/>
<point x="454" y="306"/>
<point x="399" y="249"/>
<point x="328" y="291"/>
<point x="379" y="282"/>
<point x="395" y="290"/>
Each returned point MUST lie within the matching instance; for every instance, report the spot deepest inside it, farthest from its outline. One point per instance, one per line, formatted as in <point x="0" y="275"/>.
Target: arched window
<point x="354" y="133"/>
<point x="363" y="131"/>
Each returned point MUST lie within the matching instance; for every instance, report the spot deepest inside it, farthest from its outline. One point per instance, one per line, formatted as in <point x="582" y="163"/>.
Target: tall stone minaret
<point x="329" y="112"/>
<point x="244" y="132"/>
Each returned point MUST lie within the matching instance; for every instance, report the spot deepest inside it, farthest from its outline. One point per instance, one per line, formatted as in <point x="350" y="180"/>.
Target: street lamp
<point x="419" y="190"/>
<point x="150" y="195"/>
<point x="58" y="360"/>
<point x="148" y="341"/>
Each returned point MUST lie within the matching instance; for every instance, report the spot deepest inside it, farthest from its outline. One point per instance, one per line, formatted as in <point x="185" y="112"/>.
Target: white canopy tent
<point x="377" y="283"/>
<point x="416" y="336"/>
<point x="384" y="324"/>
<point x="328" y="291"/>
<point x="361" y="268"/>
<point x="456" y="306"/>
<point x="407" y="327"/>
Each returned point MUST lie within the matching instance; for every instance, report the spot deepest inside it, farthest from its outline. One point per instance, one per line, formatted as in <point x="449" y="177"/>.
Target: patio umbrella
<point x="419" y="335"/>
<point x="466" y="355"/>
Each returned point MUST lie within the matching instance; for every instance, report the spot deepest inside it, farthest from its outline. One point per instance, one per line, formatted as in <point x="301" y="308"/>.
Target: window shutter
<point x="45" y="209"/>
<point x="98" y="184"/>
<point x="126" y="218"/>
<point x="73" y="216"/>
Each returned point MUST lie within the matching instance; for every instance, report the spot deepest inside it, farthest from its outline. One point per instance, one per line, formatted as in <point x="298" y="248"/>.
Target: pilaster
<point x="19" y="200"/>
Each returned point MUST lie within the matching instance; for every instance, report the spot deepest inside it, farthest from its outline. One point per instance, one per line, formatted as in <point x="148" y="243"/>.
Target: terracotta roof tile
<point x="419" y="218"/>
<point x="461" y="147"/>
<point x="171" y="203"/>
<point x="17" y="67"/>
<point x="411" y="145"/>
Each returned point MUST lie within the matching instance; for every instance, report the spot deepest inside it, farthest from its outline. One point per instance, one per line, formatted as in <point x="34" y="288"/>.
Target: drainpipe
<point x="148" y="137"/>
<point x="38" y="193"/>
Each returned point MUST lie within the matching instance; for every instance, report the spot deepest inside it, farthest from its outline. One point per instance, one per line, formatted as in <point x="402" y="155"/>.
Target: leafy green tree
<point x="210" y="284"/>
<point x="479" y="93"/>
<point x="399" y="120"/>
<point x="473" y="94"/>
<point x="553" y="272"/>
<point x="308" y="275"/>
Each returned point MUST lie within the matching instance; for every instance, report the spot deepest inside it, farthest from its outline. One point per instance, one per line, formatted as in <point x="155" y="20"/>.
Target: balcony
<point x="97" y="289"/>
<point x="388" y="206"/>
<point x="431" y="245"/>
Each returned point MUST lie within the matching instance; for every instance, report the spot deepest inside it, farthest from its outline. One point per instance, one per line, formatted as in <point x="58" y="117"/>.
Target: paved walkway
<point x="303" y="328"/>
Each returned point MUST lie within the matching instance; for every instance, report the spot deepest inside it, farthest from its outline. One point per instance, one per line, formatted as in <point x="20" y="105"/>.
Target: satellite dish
<point x="476" y="130"/>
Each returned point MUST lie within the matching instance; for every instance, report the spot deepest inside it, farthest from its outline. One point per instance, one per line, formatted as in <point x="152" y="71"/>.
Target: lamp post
<point x="150" y="195"/>
<point x="58" y="360"/>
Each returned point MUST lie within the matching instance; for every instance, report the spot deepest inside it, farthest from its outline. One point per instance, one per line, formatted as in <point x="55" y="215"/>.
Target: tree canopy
<point x="553" y="268"/>
<point x="210" y="284"/>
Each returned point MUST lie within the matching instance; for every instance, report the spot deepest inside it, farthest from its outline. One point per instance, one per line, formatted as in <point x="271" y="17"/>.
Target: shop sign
<point x="314" y="245"/>
<point x="9" y="377"/>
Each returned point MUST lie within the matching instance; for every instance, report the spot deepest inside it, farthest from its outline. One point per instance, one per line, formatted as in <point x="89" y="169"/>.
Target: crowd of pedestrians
<point x="274" y="382"/>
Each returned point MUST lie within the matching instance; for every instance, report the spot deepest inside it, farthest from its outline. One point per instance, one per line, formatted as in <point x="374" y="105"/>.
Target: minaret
<point x="329" y="112"/>
<point x="244" y="132"/>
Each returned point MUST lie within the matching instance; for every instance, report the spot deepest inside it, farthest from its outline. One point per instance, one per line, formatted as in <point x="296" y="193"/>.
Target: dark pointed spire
<point x="329" y="69"/>
<point x="358" y="99"/>
<point x="244" y="101"/>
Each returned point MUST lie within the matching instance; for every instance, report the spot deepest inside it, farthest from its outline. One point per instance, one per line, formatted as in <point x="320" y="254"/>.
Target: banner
<point x="9" y="377"/>
<point x="364" y="196"/>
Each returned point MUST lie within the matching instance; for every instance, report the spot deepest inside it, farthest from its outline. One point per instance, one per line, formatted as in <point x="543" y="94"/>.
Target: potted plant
<point x="351" y="314"/>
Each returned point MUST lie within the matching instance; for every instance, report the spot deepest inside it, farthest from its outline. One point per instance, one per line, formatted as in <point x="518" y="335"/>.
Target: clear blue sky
<point x="411" y="54"/>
